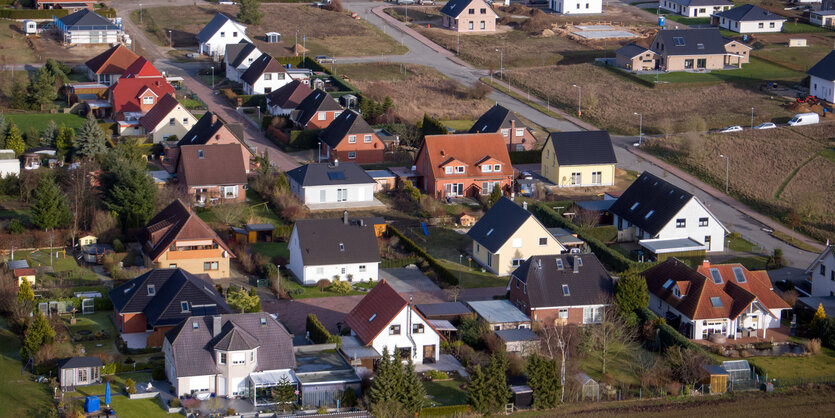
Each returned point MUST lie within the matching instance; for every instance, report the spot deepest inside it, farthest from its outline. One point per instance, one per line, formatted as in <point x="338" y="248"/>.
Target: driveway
<point x="405" y="280"/>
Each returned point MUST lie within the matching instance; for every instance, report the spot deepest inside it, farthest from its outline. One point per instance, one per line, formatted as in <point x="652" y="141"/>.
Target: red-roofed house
<point x="167" y="119"/>
<point x="385" y="319"/>
<point x="723" y="299"/>
<point x="135" y="93"/>
<point x="212" y="173"/>
<point x="108" y="66"/>
<point x="27" y="274"/>
<point x="464" y="164"/>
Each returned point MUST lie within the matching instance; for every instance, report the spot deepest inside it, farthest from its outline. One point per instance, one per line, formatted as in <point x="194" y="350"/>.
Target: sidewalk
<point x="560" y="113"/>
<point x="718" y="195"/>
<point x="414" y="34"/>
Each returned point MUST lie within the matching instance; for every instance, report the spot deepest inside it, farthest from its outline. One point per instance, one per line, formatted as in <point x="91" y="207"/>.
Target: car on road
<point x="735" y="128"/>
<point x="324" y="59"/>
<point x="766" y="125"/>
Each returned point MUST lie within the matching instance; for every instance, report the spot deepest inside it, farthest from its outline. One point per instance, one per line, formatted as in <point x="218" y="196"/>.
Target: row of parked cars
<point x="799" y="119"/>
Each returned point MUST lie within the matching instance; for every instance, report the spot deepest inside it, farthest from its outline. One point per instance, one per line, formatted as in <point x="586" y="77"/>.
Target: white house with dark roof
<point x="233" y="355"/>
<point x="323" y="185"/>
<point x="822" y="78"/>
<point x="264" y="75"/>
<point x="9" y="163"/>
<point x="218" y="33"/>
<point x="334" y="249"/>
<point x="694" y="8"/>
<point x="824" y="17"/>
<point x="665" y="219"/>
<point x="571" y="7"/>
<point x="748" y="19"/>
<point x="516" y="135"/>
<point x="822" y="273"/>
<point x="238" y="58"/>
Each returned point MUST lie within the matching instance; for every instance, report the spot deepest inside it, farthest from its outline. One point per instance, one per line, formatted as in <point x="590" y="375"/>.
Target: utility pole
<point x="727" y="170"/>
<point x="752" y="118"/>
<point x="579" y="101"/>
<point x="140" y="12"/>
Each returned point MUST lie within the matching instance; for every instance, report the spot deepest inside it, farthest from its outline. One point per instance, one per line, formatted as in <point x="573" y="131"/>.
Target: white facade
<point x="309" y="275"/>
<point x="234" y="73"/>
<point x="576" y="6"/>
<point x="698" y="224"/>
<point x="822" y="18"/>
<point x="230" y="33"/>
<point x="9" y="165"/>
<point x="692" y="11"/>
<point x="755" y="316"/>
<point x="267" y="82"/>
<point x="408" y="330"/>
<point x="75" y="37"/>
<point x="755" y="26"/>
<point x="333" y="194"/>
<point x="822" y="89"/>
<point x="822" y="274"/>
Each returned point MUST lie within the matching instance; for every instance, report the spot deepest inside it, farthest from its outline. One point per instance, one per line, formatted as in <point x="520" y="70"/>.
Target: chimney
<point x="345" y="217"/>
<point x="335" y="162"/>
<point x="706" y="263"/>
<point x="362" y="222"/>
<point x="576" y="264"/>
<point x="216" y="325"/>
<point x="525" y="205"/>
<point x="214" y="118"/>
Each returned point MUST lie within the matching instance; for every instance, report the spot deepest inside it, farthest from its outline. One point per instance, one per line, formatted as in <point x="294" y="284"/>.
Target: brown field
<point x="330" y="33"/>
<point x="13" y="48"/>
<point x="760" y="163"/>
<point x="420" y="91"/>
<point x="800" y="59"/>
<point x="610" y="101"/>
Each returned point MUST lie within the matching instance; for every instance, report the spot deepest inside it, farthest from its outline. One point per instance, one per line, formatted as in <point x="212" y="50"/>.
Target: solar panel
<point x="716" y="276"/>
<point x="559" y="264"/>
<point x="565" y="291"/>
<point x="336" y="175"/>
<point x="668" y="283"/>
<point x="716" y="302"/>
<point x="678" y="41"/>
<point x="739" y="274"/>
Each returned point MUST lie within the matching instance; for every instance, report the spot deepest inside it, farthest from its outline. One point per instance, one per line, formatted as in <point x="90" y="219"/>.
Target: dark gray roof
<point x="263" y="64"/>
<point x="628" y="50"/>
<point x="324" y="174"/>
<point x="430" y="310"/>
<point x="347" y="123"/>
<point x="496" y="118"/>
<point x="213" y="26"/>
<point x="193" y="348"/>
<point x="260" y="227"/>
<point x="314" y="102"/>
<point x="202" y="131"/>
<point x="237" y="53"/>
<point x="693" y="3"/>
<point x="650" y="203"/>
<point x="498" y="311"/>
<point x="690" y="42"/>
<point x="498" y="224"/>
<point x="289" y="95"/>
<point x="171" y="287"/>
<point x="749" y="13"/>
<point x="583" y="147"/>
<point x="591" y="285"/>
<point x="87" y="18"/>
<point x="76" y="362"/>
<point x="455" y="7"/>
<point x="331" y="241"/>
<point x="825" y="68"/>
<point x="519" y="334"/>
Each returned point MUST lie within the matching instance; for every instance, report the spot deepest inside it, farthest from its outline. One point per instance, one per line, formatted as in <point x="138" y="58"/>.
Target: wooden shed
<point x="466" y="220"/>
<point x="252" y="233"/>
<point x="716" y="377"/>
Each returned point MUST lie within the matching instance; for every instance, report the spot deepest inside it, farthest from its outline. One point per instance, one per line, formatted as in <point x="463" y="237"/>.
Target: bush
<point x="826" y="330"/>
<point x="436" y="375"/>
<point x="318" y="333"/>
<point x="813" y="346"/>
<point x="130" y="386"/>
<point x="343" y="288"/>
<point x="478" y="91"/>
<point x="231" y="411"/>
<point x="323" y="284"/>
<point x="349" y="398"/>
<point x="118" y="246"/>
<point x="322" y="410"/>
<point x="158" y="373"/>
<point x="334" y="6"/>
<point x="174" y="403"/>
<point x="15" y="226"/>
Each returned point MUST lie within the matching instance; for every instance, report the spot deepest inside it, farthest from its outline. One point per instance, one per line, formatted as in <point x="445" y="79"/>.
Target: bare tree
<point x="609" y="339"/>
<point x="557" y="341"/>
<point x="452" y="293"/>
<point x="585" y="218"/>
<point x="83" y="196"/>
<point x="229" y="213"/>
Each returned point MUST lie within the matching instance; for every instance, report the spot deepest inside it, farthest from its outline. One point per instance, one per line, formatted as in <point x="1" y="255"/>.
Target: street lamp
<point x="640" y="128"/>
<point x="501" y="63"/>
<point x="752" y="118"/>
<point x="140" y="12"/>
<point x="213" y="77"/>
<point x="727" y="170"/>
<point x="170" y="42"/>
<point x="579" y="100"/>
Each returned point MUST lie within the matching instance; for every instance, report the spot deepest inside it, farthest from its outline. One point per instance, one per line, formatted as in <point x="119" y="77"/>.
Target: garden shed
<point x="717" y="378"/>
<point x="522" y="396"/>
<point x="589" y="388"/>
<point x="739" y="371"/>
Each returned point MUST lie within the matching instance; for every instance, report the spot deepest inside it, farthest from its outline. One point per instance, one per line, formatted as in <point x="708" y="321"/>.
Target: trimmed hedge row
<point x="445" y="411"/>
<point x="319" y="334"/>
<point x="32" y="13"/>
<point x="668" y="336"/>
<point x="304" y="139"/>
<point x="526" y="157"/>
<point x="444" y="275"/>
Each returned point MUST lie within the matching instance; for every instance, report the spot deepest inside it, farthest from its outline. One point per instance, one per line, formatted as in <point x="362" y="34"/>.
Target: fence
<point x="400" y="262"/>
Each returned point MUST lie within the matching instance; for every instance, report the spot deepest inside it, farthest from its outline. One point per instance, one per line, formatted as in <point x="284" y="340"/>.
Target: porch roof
<point x="272" y="378"/>
<point x="662" y="246"/>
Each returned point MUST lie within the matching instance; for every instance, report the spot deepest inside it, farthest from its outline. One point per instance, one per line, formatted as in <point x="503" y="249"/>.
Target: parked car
<point x="426" y="2"/>
<point x="324" y="59"/>
<point x="766" y="125"/>
<point x="405" y="2"/>
<point x="801" y="119"/>
<point x="735" y="128"/>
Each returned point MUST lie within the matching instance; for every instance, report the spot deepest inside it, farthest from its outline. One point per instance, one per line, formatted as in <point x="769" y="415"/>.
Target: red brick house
<point x="463" y="165"/>
<point x="517" y="136"/>
<point x="316" y="111"/>
<point x="212" y="173"/>
<point x="350" y="138"/>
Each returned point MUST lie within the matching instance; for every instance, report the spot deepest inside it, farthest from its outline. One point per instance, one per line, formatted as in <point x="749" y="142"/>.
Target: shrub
<point x="349" y="398"/>
<point x="334" y="6"/>
<point x="158" y="373"/>
<point x="323" y="284"/>
<point x="318" y="333"/>
<point x="130" y="386"/>
<point x="15" y="226"/>
<point x="231" y="411"/>
<point x="436" y="375"/>
<point x="118" y="246"/>
<point x="813" y="346"/>
<point x="174" y="403"/>
<point x="322" y="410"/>
<point x="343" y="288"/>
<point x="478" y="91"/>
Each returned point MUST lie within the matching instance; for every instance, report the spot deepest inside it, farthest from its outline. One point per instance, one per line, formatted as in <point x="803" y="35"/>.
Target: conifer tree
<point x="50" y="134"/>
<point x="36" y="335"/>
<point x="51" y="209"/>
<point x="386" y="383"/>
<point x="14" y="141"/>
<point x="91" y="139"/>
<point x="477" y="392"/>
<point x="63" y="141"/>
<point x="544" y="380"/>
<point x="497" y="385"/>
<point x="413" y="390"/>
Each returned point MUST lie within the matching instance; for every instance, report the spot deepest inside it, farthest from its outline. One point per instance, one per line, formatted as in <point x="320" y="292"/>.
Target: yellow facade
<point x="529" y="239"/>
<point x="591" y="175"/>
<point x="28" y="278"/>
<point x="194" y="262"/>
<point x="183" y="120"/>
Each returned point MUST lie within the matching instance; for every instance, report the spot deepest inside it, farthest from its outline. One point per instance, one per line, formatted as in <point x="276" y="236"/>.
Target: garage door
<point x="200" y="384"/>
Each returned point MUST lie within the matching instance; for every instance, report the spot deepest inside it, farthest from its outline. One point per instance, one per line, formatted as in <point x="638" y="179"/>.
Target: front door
<point x="221" y="386"/>
<point x="428" y="354"/>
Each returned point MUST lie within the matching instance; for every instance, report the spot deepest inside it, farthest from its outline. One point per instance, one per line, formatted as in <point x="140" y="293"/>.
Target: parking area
<point x="405" y="280"/>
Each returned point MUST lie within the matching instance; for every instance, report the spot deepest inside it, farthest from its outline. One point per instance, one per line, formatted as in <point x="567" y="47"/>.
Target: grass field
<point x="800" y="59"/>
<point x="447" y="392"/>
<point x="14" y="50"/>
<point x="458" y="125"/>
<point x="753" y="73"/>
<point x="19" y="395"/>
<point x="271" y="249"/>
<point x="315" y="292"/>
<point x="39" y="121"/>
<point x="138" y="408"/>
<point x="94" y="323"/>
<point x="812" y="366"/>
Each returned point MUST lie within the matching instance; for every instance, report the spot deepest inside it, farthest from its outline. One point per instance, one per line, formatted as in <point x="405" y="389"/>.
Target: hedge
<point x="304" y="139"/>
<point x="526" y="157"/>
<point x="319" y="334"/>
<point x="445" y="411"/>
<point x="667" y="336"/>
<point x="444" y="274"/>
<point x="32" y="13"/>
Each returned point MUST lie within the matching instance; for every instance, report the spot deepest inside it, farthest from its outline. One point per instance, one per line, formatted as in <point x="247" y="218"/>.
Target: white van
<point x="801" y="119"/>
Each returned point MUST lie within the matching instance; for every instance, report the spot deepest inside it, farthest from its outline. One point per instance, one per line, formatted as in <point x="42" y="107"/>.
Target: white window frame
<point x="352" y="155"/>
<point x="448" y="169"/>
<point x="366" y="139"/>
<point x="520" y="131"/>
<point x="459" y="169"/>
<point x="497" y="168"/>
<point x="352" y="139"/>
<point x="321" y="115"/>
<point x="148" y="100"/>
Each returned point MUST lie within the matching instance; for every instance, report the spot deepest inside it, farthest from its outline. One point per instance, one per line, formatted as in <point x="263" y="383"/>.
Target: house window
<point x="229" y="192"/>
<point x="394" y="330"/>
<point x="352" y="139"/>
<point x="352" y="155"/>
<point x="210" y="265"/>
<point x="823" y="270"/>
<point x="362" y="269"/>
<point x="200" y="153"/>
<point x="185" y="121"/>
<point x="483" y="11"/>
<point x="701" y="63"/>
<point x="459" y="169"/>
<point x="472" y="11"/>
<point x="497" y="168"/>
<point x="320" y="270"/>
<point x="482" y="25"/>
<point x="488" y="186"/>
<point x="152" y="290"/>
<point x="341" y="195"/>
<point x="267" y="90"/>
<point x="760" y="25"/>
<point x="223" y="34"/>
<point x="279" y="76"/>
<point x="321" y="116"/>
<point x="516" y="262"/>
<point x="405" y="352"/>
<point x="565" y="290"/>
<point x="222" y="359"/>
<point x="486" y="168"/>
<point x="832" y="275"/>
<point x="593" y="315"/>
<point x="681" y="223"/>
<point x="82" y="375"/>
<point x="184" y="306"/>
<point x="234" y="34"/>
<point x="448" y="170"/>
<point x="688" y="64"/>
<point x="543" y="241"/>
<point x="771" y="25"/>
<point x="520" y="131"/>
<point x="563" y="314"/>
<point x="707" y="242"/>
<point x="597" y="177"/>
<point x="517" y="242"/>
<point x="576" y="179"/>
<point x="172" y="121"/>
<point x="366" y="139"/>
<point x="172" y="266"/>
<point x="505" y="132"/>
<point x="148" y="100"/>
<point x="343" y="270"/>
<point x="268" y="76"/>
<point x="703" y="221"/>
<point x="417" y="328"/>
<point x="470" y="26"/>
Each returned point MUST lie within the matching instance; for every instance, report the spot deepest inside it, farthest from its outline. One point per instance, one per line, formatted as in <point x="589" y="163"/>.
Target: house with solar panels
<point x="726" y="300"/>
<point x="323" y="185"/>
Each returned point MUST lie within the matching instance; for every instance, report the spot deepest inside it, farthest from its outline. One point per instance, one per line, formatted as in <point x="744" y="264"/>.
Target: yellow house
<point x="579" y="159"/>
<point x="27" y="274"/>
<point x="167" y="119"/>
<point x="507" y="235"/>
<point x="87" y="240"/>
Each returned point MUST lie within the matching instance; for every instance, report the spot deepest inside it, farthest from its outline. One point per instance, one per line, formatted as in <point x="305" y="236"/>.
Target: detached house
<point x="579" y="159"/>
<point x="822" y="273"/>
<point x="316" y="111"/>
<point x="158" y="300"/>
<point x="568" y="7"/>
<point x="218" y="33"/>
<point x="212" y="173"/>
<point x="234" y="356"/>
<point x="135" y="93"/>
<point x="685" y="50"/>
<point x="635" y="58"/>
<point x="334" y="249"/>
<point x="695" y="8"/>
<point x="463" y="165"/>
<point x="323" y="185"/>
<point x="79" y="371"/>
<point x="666" y="220"/>
<point x="238" y="58"/>
<point x="748" y="19"/>
<point x="350" y="138"/>
<point x="562" y="289"/>
<point x="822" y="78"/>
<point x="385" y="320"/>
<point x="108" y="66"/>
<point x="87" y="27"/>
<point x="264" y="75"/>
<point x="167" y="119"/>
<point x="285" y="99"/>
<point x="725" y="299"/>
<point x="507" y="235"/>
<point x="498" y="119"/>
<point x="210" y="130"/>
<point x="177" y="238"/>
<point x="469" y="16"/>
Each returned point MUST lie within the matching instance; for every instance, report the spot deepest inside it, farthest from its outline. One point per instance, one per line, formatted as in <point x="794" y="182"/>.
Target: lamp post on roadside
<point x="640" y="128"/>
<point x="727" y="170"/>
<point x="213" y="77"/>
<point x="170" y="42"/>
<point x="579" y="101"/>
<point x="140" y="12"/>
<point x="501" y="63"/>
<point x="752" y="118"/>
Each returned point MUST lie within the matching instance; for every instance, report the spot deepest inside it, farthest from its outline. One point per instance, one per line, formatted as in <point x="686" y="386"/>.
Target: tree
<point x="17" y="97"/>
<point x="243" y="301"/>
<point x="497" y="385"/>
<point x="558" y="340"/>
<point x="83" y="196"/>
<point x="2" y="131"/>
<point x="412" y="392"/>
<point x="542" y="378"/>
<point x="477" y="392"/>
<point x="631" y="294"/>
<point x="686" y="364"/>
<point x="389" y="408"/>
<point x="14" y="141"/>
<point x="36" y="335"/>
<point x="249" y="11"/>
<point x="387" y="383"/>
<point x="432" y="126"/>
<point x="41" y="90"/>
<point x="51" y="209"/>
<point x="32" y="138"/>
<point x="50" y="134"/>
<point x="25" y="293"/>
<point x="131" y="195"/>
<point x="284" y="395"/>
<point x="820" y="315"/>
<point x="63" y="140"/>
<point x="452" y="293"/>
<point x="91" y="139"/>
<point x="495" y="195"/>
<point x="472" y="329"/>
<point x="608" y="340"/>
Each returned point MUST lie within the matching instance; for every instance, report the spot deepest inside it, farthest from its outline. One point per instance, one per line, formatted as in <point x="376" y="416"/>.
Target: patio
<point x="775" y="335"/>
<point x="446" y="363"/>
<point x="135" y="339"/>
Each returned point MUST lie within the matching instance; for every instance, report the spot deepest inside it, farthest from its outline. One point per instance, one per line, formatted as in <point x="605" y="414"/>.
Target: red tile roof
<point x="375" y="311"/>
<point x="141" y="68"/>
<point x="24" y="272"/>
<point x="113" y="61"/>
<point x="176" y="222"/>
<point x="124" y="95"/>
<point x="470" y="149"/>
<point x="159" y="112"/>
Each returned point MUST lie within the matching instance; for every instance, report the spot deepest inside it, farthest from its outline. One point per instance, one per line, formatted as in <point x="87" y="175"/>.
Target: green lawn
<point x="755" y="72"/>
<point x="739" y="244"/>
<point x="458" y="125"/>
<point x="751" y="263"/>
<point x="621" y="368"/>
<point x="99" y="321"/>
<point x="680" y="18"/>
<point x="39" y="121"/>
<point x="19" y="395"/>
<point x="118" y="385"/>
<point x="59" y="263"/>
<point x="797" y="58"/>
<point x="271" y="249"/>
<point x="314" y="292"/>
<point x="446" y="392"/>
<point x="608" y="233"/>
<point x="138" y="408"/>
<point x="474" y="277"/>
<point x="783" y="367"/>
<point x="262" y="213"/>
<point x="792" y="27"/>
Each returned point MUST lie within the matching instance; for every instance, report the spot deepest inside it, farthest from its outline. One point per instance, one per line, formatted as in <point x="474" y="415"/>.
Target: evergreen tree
<point x="25" y="293"/>
<point x="50" y="134"/>
<point x="631" y="294"/>
<point x="13" y="139"/>
<point x="2" y="131"/>
<point x="477" y="392"/>
<point x="387" y="382"/>
<point x="248" y="12"/>
<point x="132" y="196"/>
<point x="497" y="385"/>
<point x="432" y="126"/>
<point x="495" y="195"/>
<point x="51" y="209"/>
<point x="36" y="335"/>
<point x="42" y="90"/>
<point x="544" y="380"/>
<point x="17" y="97"/>
<point x="63" y="141"/>
<point x="91" y="139"/>
<point x="413" y="390"/>
<point x="284" y="395"/>
<point x="32" y="138"/>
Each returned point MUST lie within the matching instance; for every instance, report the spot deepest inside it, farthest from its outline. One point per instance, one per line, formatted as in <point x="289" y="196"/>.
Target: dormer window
<point x="148" y="100"/>
<point x="497" y="168"/>
<point x="184" y="306"/>
<point x="194" y="325"/>
<point x="448" y="170"/>
<point x="151" y="290"/>
<point x="487" y="168"/>
<point x="459" y="169"/>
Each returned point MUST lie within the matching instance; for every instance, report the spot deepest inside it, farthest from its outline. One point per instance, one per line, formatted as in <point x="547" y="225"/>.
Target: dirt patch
<point x="805" y="190"/>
